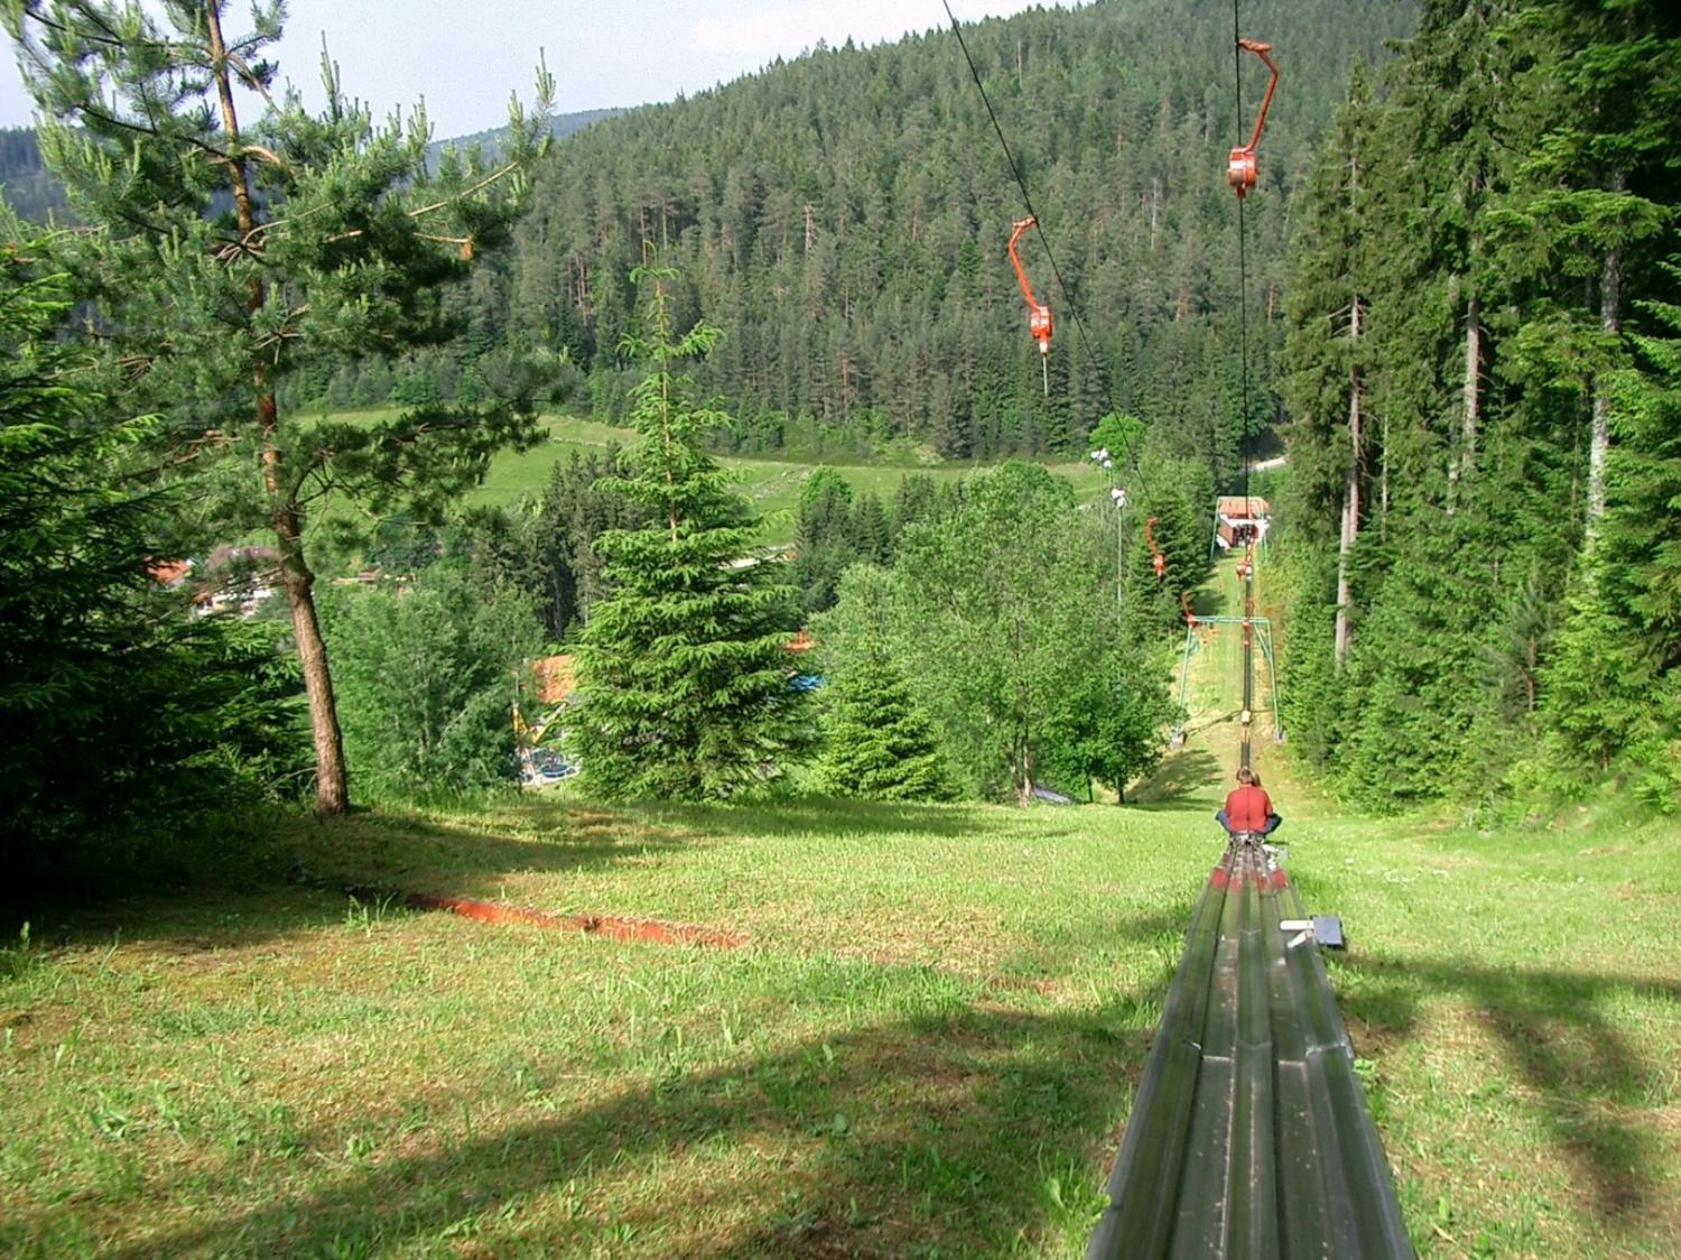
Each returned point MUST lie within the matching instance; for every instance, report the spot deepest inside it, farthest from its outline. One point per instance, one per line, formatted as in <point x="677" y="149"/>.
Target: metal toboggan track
<point x="1250" y="1135"/>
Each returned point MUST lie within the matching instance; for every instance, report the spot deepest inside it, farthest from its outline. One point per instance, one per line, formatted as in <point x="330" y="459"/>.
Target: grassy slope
<point x="928" y="1047"/>
<point x="772" y="485"/>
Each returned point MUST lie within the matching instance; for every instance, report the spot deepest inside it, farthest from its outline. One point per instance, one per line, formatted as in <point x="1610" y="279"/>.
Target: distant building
<point x="230" y="580"/>
<point x="554" y="681"/>
<point x="169" y="574"/>
<point x="1239" y="519"/>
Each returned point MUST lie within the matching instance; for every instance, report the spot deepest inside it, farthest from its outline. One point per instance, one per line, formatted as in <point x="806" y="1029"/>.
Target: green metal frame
<point x="1264" y="638"/>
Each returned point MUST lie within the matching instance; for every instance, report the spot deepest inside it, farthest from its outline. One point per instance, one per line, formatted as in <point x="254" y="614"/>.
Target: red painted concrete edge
<point x="613" y="927"/>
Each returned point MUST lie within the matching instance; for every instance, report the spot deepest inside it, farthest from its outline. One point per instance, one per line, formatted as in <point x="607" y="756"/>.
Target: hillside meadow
<point x="927" y="1045"/>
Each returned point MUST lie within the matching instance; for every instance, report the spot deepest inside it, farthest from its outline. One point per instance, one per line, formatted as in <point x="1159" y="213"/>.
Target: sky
<point x="466" y="56"/>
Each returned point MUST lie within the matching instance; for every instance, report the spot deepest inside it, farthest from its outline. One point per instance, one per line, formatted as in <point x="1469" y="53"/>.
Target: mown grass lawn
<point x="771" y="485"/>
<point x="928" y="1046"/>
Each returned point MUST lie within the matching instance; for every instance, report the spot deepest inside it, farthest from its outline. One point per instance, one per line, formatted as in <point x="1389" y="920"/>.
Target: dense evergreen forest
<point x="25" y="182"/>
<point x="843" y="217"/>
<point x="1481" y="379"/>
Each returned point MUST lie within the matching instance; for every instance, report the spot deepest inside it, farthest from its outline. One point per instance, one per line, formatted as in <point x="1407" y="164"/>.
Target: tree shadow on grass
<point x="1583" y="1079"/>
<point x="300" y="871"/>
<point x="517" y="838"/>
<point x="955" y="1132"/>
<point x="811" y="815"/>
<point x="1181" y="773"/>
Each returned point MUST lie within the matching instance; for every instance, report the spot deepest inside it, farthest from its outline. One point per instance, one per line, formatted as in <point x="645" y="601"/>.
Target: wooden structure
<point x="1240" y="519"/>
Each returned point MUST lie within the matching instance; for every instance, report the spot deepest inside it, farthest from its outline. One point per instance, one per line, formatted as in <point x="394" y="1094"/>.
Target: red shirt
<point x="1247" y="808"/>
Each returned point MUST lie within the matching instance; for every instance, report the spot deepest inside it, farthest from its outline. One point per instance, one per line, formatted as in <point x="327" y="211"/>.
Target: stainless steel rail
<point x="1250" y="1135"/>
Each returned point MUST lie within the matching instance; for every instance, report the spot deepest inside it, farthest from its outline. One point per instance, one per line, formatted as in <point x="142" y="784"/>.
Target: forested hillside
<point x="30" y="189"/>
<point x="493" y="140"/>
<point x="1482" y="373"/>
<point x="844" y="216"/>
<point x="25" y="183"/>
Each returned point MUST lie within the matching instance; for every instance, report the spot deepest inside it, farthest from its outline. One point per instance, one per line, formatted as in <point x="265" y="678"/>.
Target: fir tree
<point x="136" y="716"/>
<point x="823" y="544"/>
<point x="878" y="742"/>
<point x="684" y="676"/>
<point x="1612" y="689"/>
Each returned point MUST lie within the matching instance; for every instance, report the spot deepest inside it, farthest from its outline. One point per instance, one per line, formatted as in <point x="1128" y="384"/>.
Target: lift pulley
<point x="1240" y="167"/>
<point x="1038" y="314"/>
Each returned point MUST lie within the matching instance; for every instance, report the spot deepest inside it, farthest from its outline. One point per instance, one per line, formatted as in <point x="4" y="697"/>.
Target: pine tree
<point x="684" y="676"/>
<point x="1612" y="688"/>
<point x="878" y="744"/>
<point x="822" y="542"/>
<point x="135" y="714"/>
<point x="1597" y="106"/>
<point x="1325" y="356"/>
<point x="229" y="257"/>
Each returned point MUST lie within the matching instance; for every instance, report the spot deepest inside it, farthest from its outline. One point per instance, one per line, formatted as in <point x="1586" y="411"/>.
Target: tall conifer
<point x="684" y="674"/>
<point x="878" y="742"/>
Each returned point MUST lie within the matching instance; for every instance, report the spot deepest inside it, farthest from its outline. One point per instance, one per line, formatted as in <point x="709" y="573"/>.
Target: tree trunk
<point x="1599" y="436"/>
<point x="1351" y="499"/>
<point x="1383" y="481"/>
<point x="1473" y="382"/>
<point x="332" y="791"/>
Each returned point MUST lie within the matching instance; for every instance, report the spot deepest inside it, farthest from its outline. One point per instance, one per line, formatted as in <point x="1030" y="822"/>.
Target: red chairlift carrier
<point x="1038" y="314"/>
<point x="1240" y="166"/>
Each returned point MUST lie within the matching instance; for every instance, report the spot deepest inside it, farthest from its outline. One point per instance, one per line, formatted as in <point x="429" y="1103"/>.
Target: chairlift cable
<point x="1158" y="561"/>
<point x="1038" y="225"/>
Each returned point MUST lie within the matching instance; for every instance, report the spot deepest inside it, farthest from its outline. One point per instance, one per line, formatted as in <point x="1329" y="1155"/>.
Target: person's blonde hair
<point x="1248" y="777"/>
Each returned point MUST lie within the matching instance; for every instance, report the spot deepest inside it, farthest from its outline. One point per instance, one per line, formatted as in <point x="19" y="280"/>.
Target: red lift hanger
<point x="1240" y="166"/>
<point x="1038" y="314"/>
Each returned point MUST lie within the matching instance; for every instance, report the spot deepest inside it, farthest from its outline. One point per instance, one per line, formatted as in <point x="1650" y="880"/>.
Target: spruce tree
<point x="823" y="545"/>
<point x="684" y="674"/>
<point x="878" y="742"/>
<point x="1611" y="689"/>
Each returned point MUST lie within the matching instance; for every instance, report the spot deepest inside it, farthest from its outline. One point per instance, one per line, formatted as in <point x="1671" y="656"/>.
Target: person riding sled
<point x="1248" y="808"/>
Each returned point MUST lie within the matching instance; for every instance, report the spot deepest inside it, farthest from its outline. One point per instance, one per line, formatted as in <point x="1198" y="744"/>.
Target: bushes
<point x="426" y="680"/>
<point x="1001" y="619"/>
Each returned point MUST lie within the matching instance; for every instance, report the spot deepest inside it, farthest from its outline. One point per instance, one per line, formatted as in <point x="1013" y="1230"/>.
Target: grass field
<point x="771" y="485"/>
<point x="928" y="1046"/>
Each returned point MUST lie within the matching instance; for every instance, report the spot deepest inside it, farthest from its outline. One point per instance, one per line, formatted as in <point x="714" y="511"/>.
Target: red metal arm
<point x="1038" y="314"/>
<point x="1015" y="261"/>
<point x="1157" y="561"/>
<point x="1261" y="51"/>
<point x="1240" y="166"/>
